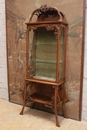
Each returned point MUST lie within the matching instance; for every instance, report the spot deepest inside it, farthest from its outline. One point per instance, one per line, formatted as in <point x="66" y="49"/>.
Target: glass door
<point x="42" y="54"/>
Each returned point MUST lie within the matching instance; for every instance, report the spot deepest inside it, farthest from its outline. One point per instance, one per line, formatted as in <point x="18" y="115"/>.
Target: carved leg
<point x="24" y="101"/>
<point x="55" y="107"/>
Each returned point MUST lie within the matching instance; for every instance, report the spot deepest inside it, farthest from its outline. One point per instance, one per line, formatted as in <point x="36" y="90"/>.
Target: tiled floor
<point x="33" y="119"/>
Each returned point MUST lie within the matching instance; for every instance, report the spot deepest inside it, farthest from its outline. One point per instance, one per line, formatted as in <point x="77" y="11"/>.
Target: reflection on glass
<point x="42" y="54"/>
<point x="61" y="63"/>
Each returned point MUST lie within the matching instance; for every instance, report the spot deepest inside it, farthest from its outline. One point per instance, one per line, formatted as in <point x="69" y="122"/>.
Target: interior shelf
<point x="43" y="44"/>
<point x="45" y="61"/>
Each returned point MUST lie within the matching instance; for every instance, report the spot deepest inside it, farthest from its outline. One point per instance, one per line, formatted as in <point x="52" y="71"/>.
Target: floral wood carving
<point x="46" y="11"/>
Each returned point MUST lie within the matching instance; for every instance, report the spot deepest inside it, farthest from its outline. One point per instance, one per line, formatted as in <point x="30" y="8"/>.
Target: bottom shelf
<point x="36" y="97"/>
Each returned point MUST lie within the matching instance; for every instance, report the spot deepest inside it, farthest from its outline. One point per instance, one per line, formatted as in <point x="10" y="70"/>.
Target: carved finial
<point x="44" y="8"/>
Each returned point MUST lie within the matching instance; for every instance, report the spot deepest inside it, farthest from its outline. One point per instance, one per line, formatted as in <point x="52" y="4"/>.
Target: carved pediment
<point x="46" y="11"/>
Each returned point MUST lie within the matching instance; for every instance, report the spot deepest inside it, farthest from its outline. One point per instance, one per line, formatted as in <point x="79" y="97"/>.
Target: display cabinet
<point x="46" y="39"/>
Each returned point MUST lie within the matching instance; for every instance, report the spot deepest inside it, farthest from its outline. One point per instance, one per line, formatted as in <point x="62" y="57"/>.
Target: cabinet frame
<point x="51" y="19"/>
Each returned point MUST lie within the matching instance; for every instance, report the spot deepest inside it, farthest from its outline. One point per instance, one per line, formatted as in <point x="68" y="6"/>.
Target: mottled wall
<point x="18" y="12"/>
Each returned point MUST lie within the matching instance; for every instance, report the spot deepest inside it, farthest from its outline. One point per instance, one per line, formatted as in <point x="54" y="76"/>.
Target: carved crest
<point x="46" y="11"/>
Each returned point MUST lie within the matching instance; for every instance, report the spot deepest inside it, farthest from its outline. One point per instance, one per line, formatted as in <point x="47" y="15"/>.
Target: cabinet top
<point x="47" y="13"/>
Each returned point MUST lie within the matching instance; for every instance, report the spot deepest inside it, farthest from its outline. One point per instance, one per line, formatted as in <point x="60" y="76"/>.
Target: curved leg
<point x="55" y="107"/>
<point x="24" y="101"/>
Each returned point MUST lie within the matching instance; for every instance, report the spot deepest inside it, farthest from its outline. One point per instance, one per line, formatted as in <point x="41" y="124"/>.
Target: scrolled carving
<point x="45" y="8"/>
<point x="56" y="34"/>
<point x="46" y="11"/>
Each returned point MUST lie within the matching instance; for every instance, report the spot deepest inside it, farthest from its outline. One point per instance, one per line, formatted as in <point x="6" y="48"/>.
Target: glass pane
<point x="45" y="70"/>
<point x="61" y="62"/>
<point x="42" y="54"/>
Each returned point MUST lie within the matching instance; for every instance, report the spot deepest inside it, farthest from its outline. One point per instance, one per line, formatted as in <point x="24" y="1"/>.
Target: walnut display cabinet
<point x="46" y="59"/>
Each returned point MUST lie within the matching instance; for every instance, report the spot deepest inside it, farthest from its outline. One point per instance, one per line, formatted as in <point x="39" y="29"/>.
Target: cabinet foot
<point x="57" y="122"/>
<point x="21" y="113"/>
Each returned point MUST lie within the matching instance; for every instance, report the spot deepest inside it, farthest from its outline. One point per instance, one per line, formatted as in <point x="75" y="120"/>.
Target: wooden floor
<point x="33" y="119"/>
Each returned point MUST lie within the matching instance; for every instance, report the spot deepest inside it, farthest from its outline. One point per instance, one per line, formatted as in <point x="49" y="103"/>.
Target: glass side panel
<point x="61" y="62"/>
<point x="42" y="54"/>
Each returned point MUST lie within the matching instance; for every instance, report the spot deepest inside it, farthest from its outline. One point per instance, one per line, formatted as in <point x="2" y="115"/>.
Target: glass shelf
<point x="43" y="44"/>
<point x="42" y="61"/>
<point x="47" y="62"/>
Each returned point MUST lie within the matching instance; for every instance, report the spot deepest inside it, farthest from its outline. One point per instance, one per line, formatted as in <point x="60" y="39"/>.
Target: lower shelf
<point x="36" y="97"/>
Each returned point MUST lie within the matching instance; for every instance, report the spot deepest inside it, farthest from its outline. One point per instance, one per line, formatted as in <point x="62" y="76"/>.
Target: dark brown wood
<point x="51" y="19"/>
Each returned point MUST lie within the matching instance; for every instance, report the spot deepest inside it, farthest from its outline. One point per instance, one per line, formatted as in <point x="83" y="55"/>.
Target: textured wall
<point x="3" y="57"/>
